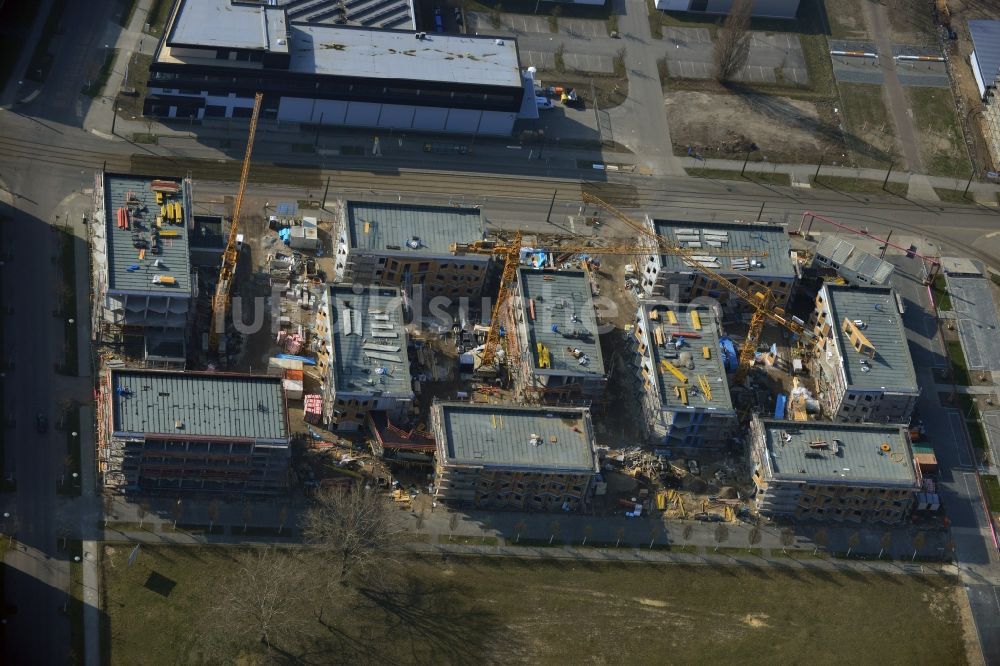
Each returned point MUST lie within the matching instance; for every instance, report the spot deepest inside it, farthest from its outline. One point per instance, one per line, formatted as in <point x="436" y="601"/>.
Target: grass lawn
<point x="860" y="185"/>
<point x="75" y="604"/>
<point x="953" y="196"/>
<point x="991" y="485"/>
<point x="941" y="296"/>
<point x="484" y="610"/>
<point x="130" y="106"/>
<point x="957" y="358"/>
<point x="942" y="143"/>
<point x="159" y="10"/>
<point x="757" y="177"/>
<point x="868" y="126"/>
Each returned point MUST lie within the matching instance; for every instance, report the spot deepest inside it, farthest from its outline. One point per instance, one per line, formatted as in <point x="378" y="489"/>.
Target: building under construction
<point x="833" y="472"/>
<point x="509" y="456"/>
<point x="143" y="283"/>
<point x="556" y="351"/>
<point x="859" y="268"/>
<point x="865" y="373"/>
<point x="172" y="431"/>
<point x="408" y="246"/>
<point x="362" y="358"/>
<point x="768" y="261"/>
<point x="684" y="392"/>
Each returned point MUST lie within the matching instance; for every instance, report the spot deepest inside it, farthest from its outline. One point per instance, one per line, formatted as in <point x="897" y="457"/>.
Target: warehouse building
<point x="408" y="246"/>
<point x="556" y="351"/>
<point x="781" y="9"/>
<point x="141" y="266"/>
<point x="833" y="472"/>
<point x="362" y="357"/>
<point x="170" y="432"/>
<point x="865" y="373"/>
<point x="767" y="262"/>
<point x="858" y="268"/>
<point x="216" y="54"/>
<point x="509" y="456"/>
<point x="684" y="393"/>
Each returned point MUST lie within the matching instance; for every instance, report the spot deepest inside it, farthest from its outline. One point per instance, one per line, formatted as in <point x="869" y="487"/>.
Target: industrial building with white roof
<point x="866" y="373"/>
<point x="833" y="471"/>
<point x="538" y="458"/>
<point x="215" y="54"/>
<point x="362" y="359"/>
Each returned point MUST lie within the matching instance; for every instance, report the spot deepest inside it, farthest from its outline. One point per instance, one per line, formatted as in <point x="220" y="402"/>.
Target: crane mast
<point x="220" y="301"/>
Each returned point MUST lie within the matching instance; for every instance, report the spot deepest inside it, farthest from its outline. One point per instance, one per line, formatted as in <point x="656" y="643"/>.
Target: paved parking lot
<point x="978" y="325"/>
<point x="689" y="55"/>
<point x="579" y="61"/>
<point x="539" y="59"/>
<point x="583" y="28"/>
<point x="522" y="24"/>
<point x="854" y="69"/>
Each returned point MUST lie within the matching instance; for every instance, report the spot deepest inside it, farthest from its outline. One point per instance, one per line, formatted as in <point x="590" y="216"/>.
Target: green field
<point x="991" y="485"/>
<point x="482" y="610"/>
<point x="942" y="142"/>
<point x="957" y="358"/>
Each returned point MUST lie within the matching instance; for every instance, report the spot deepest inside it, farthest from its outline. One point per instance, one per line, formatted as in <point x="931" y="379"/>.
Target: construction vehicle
<point x="758" y="296"/>
<point x="220" y="301"/>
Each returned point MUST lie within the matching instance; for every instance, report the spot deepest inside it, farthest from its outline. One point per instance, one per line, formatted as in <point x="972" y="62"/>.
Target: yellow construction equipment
<point x="763" y="301"/>
<point x="220" y="302"/>
<point x="681" y="394"/>
<point x="672" y="369"/>
<point x="671" y="317"/>
<point x="706" y="351"/>
<point x="706" y="389"/>
<point x="658" y="336"/>
<point x="695" y="320"/>
<point x="544" y="359"/>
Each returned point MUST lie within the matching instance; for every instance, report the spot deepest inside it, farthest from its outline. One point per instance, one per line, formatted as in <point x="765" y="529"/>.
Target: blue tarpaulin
<point x="729" y="358"/>
<point x="292" y="357"/>
<point x="779" y="406"/>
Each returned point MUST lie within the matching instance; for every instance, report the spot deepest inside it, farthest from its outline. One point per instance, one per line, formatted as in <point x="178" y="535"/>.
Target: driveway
<point x="690" y="54"/>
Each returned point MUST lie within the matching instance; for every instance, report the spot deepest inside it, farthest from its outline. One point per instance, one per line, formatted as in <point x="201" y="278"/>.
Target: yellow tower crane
<point x="758" y="296"/>
<point x="220" y="302"/>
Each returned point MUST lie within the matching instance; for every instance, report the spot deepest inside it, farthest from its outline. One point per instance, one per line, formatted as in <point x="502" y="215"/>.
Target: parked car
<point x="543" y="102"/>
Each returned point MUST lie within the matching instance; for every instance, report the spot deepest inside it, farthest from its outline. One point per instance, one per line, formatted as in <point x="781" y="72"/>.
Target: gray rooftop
<point x="839" y="251"/>
<point x="690" y="354"/>
<point x="204" y="404"/>
<point x="563" y="300"/>
<point x="702" y="238"/>
<point x="369" y="341"/>
<point x="985" y="35"/>
<point x="397" y="54"/>
<point x="859" y="456"/>
<point x="960" y="266"/>
<point x="892" y="367"/>
<point x="384" y="227"/>
<point x="126" y="272"/>
<point x="500" y="436"/>
<point x="223" y="24"/>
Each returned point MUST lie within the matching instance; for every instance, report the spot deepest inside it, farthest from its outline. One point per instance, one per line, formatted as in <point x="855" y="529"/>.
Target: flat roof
<point x="397" y="54"/>
<point x="126" y="271"/>
<point x="985" y="35"/>
<point x="850" y="257"/>
<point x="689" y="359"/>
<point x="892" y="367"/>
<point x="703" y="237"/>
<point x="203" y="404"/>
<point x="225" y="24"/>
<point x="565" y="321"/>
<point x="369" y="341"/>
<point x="500" y="436"/>
<point x="960" y="266"/>
<point x="858" y="456"/>
<point x="383" y="227"/>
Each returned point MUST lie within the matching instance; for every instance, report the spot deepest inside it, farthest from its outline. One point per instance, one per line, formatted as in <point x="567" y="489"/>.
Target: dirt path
<point x="878" y="25"/>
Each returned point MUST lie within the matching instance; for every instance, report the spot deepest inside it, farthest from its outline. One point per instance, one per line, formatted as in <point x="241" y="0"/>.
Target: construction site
<point x="402" y="335"/>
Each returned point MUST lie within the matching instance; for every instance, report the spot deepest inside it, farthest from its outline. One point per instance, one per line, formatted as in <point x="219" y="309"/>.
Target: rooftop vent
<point x="178" y="424"/>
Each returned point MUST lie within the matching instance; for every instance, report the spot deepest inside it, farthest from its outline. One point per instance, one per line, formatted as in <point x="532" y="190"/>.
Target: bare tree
<point x="654" y="532"/>
<point x="520" y="527"/>
<point x="554" y="528"/>
<point x="821" y="538"/>
<point x="355" y="527"/>
<point x="109" y="507"/>
<point x="588" y="531"/>
<point x="282" y="518"/>
<point x="620" y="535"/>
<point x="919" y="540"/>
<point x="259" y="601"/>
<point x="213" y="513"/>
<point x="247" y="515"/>
<point x="686" y="533"/>
<point x="949" y="549"/>
<point x="852" y="542"/>
<point x="753" y="537"/>
<point x="141" y="511"/>
<point x="732" y="44"/>
<point x="452" y="524"/>
<point x="787" y="539"/>
<point x="721" y="534"/>
<point x="486" y="526"/>
<point x="177" y="511"/>
<point x="884" y="543"/>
